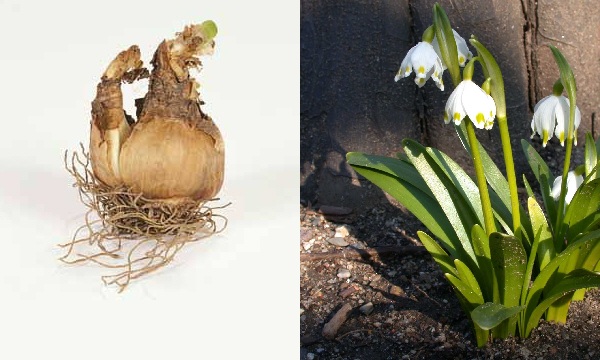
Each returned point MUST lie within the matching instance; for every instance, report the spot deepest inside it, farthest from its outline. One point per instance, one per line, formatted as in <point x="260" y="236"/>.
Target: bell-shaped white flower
<point x="551" y="115"/>
<point x="464" y="53"/>
<point x="574" y="180"/>
<point x="468" y="99"/>
<point x="426" y="64"/>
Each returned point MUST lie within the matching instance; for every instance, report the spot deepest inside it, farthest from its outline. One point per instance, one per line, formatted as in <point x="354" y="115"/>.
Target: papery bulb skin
<point x="173" y="151"/>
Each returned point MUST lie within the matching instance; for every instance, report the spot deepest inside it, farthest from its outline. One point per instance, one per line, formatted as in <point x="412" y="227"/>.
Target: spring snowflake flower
<point x="426" y="64"/>
<point x="552" y="114"/>
<point x="574" y="180"/>
<point x="464" y="53"/>
<point x="468" y="99"/>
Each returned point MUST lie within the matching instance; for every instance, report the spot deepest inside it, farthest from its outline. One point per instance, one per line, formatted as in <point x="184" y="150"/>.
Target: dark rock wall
<point x="351" y="50"/>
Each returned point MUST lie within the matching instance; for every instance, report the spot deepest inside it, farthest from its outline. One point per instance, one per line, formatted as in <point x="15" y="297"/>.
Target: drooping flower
<point x="468" y="99"/>
<point x="464" y="53"/>
<point x="551" y="114"/>
<point x="574" y="180"/>
<point x="425" y="62"/>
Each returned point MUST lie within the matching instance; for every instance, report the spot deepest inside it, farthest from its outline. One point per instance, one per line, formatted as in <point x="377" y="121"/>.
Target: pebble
<point x="337" y="241"/>
<point x="307" y="245"/>
<point x="358" y="246"/>
<point x="525" y="352"/>
<point x="344" y="273"/>
<point x="334" y="210"/>
<point x="396" y="290"/>
<point x="342" y="231"/>
<point x="367" y="308"/>
<point x="306" y="234"/>
<point x="310" y="356"/>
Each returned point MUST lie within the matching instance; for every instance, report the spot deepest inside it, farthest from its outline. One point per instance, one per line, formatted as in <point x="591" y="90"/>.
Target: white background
<point x="233" y="296"/>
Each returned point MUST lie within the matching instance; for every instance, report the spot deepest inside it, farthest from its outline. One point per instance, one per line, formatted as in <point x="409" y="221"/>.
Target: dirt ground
<point x="401" y="306"/>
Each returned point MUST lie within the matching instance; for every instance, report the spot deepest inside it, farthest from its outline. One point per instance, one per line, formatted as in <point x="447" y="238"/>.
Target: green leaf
<point x="577" y="279"/>
<point x="481" y="246"/>
<point x="395" y="167"/>
<point x="466" y="276"/>
<point x="591" y="156"/>
<point x="509" y="261"/>
<point x="467" y="292"/>
<point x="583" y="210"/>
<point x="528" y="187"/>
<point x="463" y="182"/>
<point x="445" y="38"/>
<point x="489" y="315"/>
<point x="450" y="199"/>
<point x="438" y="254"/>
<point x="422" y="206"/>
<point x="543" y="175"/>
<point x="545" y="250"/>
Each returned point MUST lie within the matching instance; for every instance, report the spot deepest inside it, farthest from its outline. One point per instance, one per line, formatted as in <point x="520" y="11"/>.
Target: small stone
<point x="307" y="245"/>
<point x="342" y="231"/>
<point x="334" y="210"/>
<point x="367" y="308"/>
<point x="396" y="290"/>
<point x="358" y="246"/>
<point x="525" y="352"/>
<point x="347" y="291"/>
<point x="377" y="324"/>
<point x="337" y="241"/>
<point x="310" y="356"/>
<point x="344" y="273"/>
<point x="306" y="234"/>
<point x="392" y="273"/>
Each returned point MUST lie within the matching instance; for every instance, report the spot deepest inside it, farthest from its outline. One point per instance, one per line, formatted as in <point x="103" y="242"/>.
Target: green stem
<point x="510" y="173"/>
<point x="486" y="205"/>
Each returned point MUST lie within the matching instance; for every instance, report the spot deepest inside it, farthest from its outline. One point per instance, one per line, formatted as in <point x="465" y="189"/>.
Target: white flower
<point x="464" y="53"/>
<point x="574" y="180"/>
<point x="551" y="114"/>
<point x="469" y="99"/>
<point x="426" y="64"/>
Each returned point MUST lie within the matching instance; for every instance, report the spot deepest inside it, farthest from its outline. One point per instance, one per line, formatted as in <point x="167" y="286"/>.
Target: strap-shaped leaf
<point x="583" y="210"/>
<point x="463" y="182"/>
<point x="542" y="173"/>
<point x="439" y="255"/>
<point x="467" y="292"/>
<point x="466" y="276"/>
<point x="509" y="261"/>
<point x="591" y="156"/>
<point x="423" y="207"/>
<point x="396" y="167"/>
<point x="545" y="248"/>
<point x="481" y="246"/>
<point x="489" y="315"/>
<point x="577" y="279"/>
<point x="450" y="199"/>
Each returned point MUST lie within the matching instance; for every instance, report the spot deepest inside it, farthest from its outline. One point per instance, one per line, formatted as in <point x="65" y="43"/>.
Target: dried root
<point x="130" y="233"/>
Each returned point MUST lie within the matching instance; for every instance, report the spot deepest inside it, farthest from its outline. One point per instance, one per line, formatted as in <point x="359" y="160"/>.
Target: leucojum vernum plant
<point x="508" y="266"/>
<point x="147" y="182"/>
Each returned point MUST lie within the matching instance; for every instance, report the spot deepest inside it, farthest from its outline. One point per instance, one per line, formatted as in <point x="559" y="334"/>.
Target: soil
<point x="415" y="314"/>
